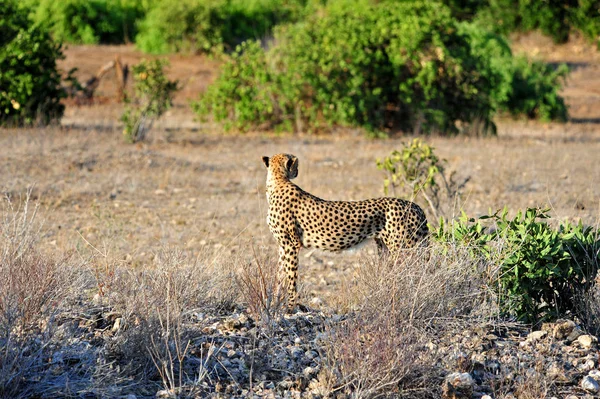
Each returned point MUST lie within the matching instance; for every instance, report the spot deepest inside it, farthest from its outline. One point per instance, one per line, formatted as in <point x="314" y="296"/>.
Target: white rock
<point x="537" y="335"/>
<point x="586" y="341"/>
<point x="316" y="301"/>
<point x="595" y="374"/>
<point x="458" y="385"/>
<point x="486" y="397"/>
<point x="166" y="393"/>
<point x="117" y="325"/>
<point x="588" y="365"/>
<point x="308" y="371"/>
<point x="590" y="384"/>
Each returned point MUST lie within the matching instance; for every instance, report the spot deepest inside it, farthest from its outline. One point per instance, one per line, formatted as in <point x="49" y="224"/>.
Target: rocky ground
<point x="231" y="357"/>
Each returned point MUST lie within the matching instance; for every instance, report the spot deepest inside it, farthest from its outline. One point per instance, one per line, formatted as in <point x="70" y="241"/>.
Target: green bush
<point x="416" y="170"/>
<point x="30" y="90"/>
<point x="553" y="18"/>
<point x="541" y="268"/>
<point x="518" y="86"/>
<point x="379" y="66"/>
<point x="182" y="26"/>
<point x="153" y="95"/>
<point x="535" y="91"/>
<point x="213" y="25"/>
<point x="391" y="65"/>
<point x="89" y="21"/>
<point x="245" y="94"/>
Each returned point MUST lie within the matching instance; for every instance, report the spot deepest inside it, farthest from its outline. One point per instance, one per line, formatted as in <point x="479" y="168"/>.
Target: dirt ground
<point x="198" y="189"/>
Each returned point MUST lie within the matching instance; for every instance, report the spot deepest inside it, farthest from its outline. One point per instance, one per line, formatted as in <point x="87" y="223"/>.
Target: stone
<point x="575" y="334"/>
<point x="595" y="374"/>
<point x="117" y="325"/>
<point x="458" y="386"/>
<point x="589" y="384"/>
<point x="563" y="328"/>
<point x="587" y="365"/>
<point x="556" y="372"/>
<point x="586" y="341"/>
<point x="536" y="335"/>
<point x="166" y="394"/>
<point x="309" y="372"/>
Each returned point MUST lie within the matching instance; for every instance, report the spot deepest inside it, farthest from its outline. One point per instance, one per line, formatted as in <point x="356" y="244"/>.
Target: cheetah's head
<point x="285" y="165"/>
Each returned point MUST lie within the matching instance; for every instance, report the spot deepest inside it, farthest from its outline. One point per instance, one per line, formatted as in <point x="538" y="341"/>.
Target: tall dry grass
<point x="399" y="304"/>
<point x="33" y="289"/>
<point x="261" y="286"/>
<point x="161" y="307"/>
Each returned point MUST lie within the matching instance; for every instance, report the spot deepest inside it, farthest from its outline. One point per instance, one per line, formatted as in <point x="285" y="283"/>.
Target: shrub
<point x="542" y="268"/>
<point x="388" y="65"/>
<point x="183" y="26"/>
<point x="245" y="93"/>
<point x="89" y="21"/>
<point x="30" y="90"/>
<point x="153" y="95"/>
<point x="397" y="306"/>
<point x="32" y="287"/>
<point x="535" y="91"/>
<point x="519" y="86"/>
<point x="552" y="18"/>
<point x="416" y="169"/>
<point x="260" y="287"/>
<point x="212" y="26"/>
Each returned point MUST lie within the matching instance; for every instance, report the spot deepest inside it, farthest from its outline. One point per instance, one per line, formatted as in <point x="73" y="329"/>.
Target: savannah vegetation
<point x="126" y="267"/>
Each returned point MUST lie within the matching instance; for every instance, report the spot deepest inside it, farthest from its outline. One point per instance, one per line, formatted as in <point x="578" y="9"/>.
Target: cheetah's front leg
<point x="288" y="266"/>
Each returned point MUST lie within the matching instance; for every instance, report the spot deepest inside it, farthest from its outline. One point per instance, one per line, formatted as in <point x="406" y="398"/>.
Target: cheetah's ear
<point x="266" y="161"/>
<point x="293" y="167"/>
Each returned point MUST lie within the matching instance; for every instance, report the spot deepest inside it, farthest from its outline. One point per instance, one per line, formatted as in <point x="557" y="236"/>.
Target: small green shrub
<point x="212" y="26"/>
<point x="89" y="21"/>
<point x="414" y="167"/>
<point x="30" y="90"/>
<point x="153" y="95"/>
<point x="416" y="170"/>
<point x="541" y="268"/>
<point x="246" y="94"/>
<point x="535" y="91"/>
<point x="553" y="18"/>
<point x="518" y="86"/>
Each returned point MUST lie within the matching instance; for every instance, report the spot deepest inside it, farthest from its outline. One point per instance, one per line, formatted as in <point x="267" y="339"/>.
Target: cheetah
<point x="299" y="219"/>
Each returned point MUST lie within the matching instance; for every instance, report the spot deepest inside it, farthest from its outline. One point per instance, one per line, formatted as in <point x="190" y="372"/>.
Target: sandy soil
<point x="195" y="188"/>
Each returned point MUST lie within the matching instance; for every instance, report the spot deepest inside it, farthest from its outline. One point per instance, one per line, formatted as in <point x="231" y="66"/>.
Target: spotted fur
<point x="299" y="219"/>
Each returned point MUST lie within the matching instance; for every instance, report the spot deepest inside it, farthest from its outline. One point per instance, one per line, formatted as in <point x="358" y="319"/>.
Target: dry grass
<point x="261" y="285"/>
<point x="44" y="303"/>
<point x="400" y="304"/>
<point x="33" y="288"/>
